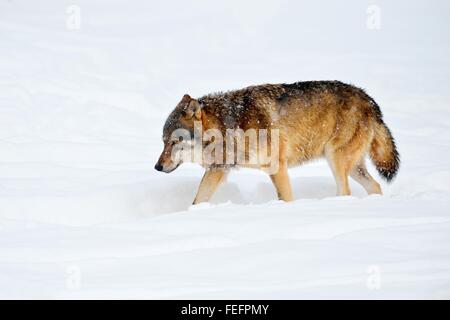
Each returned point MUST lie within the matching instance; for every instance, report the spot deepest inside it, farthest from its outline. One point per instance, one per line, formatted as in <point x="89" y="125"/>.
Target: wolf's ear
<point x="186" y="98"/>
<point x="194" y="109"/>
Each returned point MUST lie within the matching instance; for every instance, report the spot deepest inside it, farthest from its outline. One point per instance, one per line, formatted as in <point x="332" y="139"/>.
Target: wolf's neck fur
<point x="225" y="110"/>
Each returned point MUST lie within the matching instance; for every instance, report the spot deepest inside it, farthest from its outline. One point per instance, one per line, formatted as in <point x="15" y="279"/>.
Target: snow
<point x="83" y="214"/>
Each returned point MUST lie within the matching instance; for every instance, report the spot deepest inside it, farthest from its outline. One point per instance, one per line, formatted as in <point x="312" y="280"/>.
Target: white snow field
<point x="83" y="214"/>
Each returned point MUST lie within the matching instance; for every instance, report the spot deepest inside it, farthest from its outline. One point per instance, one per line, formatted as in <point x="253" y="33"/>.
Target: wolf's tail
<point x="383" y="152"/>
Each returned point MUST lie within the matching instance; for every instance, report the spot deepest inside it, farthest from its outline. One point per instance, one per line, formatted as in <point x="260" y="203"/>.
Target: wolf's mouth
<point x="169" y="171"/>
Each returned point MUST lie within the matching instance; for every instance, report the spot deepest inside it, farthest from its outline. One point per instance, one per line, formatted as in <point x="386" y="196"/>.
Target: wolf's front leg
<point x="280" y="179"/>
<point x="282" y="183"/>
<point x="210" y="181"/>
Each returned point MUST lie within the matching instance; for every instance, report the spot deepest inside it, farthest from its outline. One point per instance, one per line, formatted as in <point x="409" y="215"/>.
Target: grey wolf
<point x="314" y="119"/>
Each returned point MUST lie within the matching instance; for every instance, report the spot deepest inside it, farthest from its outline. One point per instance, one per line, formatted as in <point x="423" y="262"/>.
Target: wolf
<point x="314" y="119"/>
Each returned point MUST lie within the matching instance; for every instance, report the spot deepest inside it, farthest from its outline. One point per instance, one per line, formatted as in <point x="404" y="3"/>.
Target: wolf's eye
<point x="173" y="143"/>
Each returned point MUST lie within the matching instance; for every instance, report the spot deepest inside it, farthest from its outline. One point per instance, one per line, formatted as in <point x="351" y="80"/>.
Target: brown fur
<point x="315" y="119"/>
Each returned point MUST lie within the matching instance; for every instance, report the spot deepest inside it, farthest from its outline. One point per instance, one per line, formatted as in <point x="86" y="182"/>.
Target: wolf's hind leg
<point x="342" y="161"/>
<point x="210" y="181"/>
<point x="344" y="152"/>
<point x="339" y="166"/>
<point x="360" y="174"/>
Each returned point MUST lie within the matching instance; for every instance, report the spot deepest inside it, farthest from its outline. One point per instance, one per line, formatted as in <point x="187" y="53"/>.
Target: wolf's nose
<point x="158" y="167"/>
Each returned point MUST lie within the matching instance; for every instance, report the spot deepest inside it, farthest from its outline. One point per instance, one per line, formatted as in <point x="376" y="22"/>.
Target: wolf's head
<point x="177" y="133"/>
